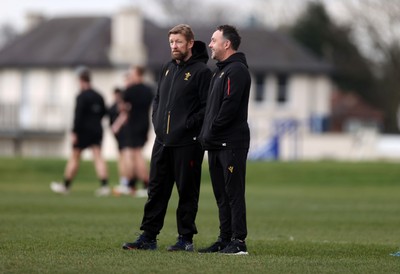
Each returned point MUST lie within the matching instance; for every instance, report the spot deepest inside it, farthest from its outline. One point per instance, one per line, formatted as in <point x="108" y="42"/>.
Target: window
<point x="1" y="86"/>
<point x="282" y="96"/>
<point x="260" y="96"/>
<point x="25" y="114"/>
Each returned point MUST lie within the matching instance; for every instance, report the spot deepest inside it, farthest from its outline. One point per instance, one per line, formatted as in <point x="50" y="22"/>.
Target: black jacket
<point x="225" y="122"/>
<point x="89" y="111"/>
<point x="179" y="104"/>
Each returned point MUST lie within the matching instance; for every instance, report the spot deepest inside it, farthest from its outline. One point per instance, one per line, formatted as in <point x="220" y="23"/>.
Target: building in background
<point x="290" y="93"/>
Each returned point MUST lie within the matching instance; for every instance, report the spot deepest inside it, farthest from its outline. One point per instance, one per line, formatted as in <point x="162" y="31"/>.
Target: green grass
<point x="307" y="217"/>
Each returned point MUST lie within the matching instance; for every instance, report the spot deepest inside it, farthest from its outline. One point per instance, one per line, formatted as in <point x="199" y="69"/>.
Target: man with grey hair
<point x="178" y="112"/>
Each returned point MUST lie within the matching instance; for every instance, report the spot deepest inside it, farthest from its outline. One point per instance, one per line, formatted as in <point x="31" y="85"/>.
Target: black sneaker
<point x="215" y="247"/>
<point x="181" y="245"/>
<point x="142" y="242"/>
<point x="235" y="247"/>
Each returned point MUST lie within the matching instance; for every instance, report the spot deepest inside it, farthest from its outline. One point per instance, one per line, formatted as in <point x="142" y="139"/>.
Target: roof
<point x="73" y="41"/>
<point x="69" y="41"/>
<point x="274" y="51"/>
<point x="265" y="50"/>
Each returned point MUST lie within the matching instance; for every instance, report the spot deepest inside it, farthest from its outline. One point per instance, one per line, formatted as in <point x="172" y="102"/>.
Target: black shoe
<point x="235" y="247"/>
<point x="181" y="245"/>
<point x="215" y="247"/>
<point x="142" y="242"/>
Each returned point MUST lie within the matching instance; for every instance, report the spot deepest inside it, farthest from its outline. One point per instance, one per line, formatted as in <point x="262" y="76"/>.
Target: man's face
<point x="133" y="75"/>
<point x="117" y="97"/>
<point x="218" y="45"/>
<point x="180" y="48"/>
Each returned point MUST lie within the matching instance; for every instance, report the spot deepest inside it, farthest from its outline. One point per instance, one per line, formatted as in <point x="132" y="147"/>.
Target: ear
<point x="190" y="44"/>
<point x="227" y="44"/>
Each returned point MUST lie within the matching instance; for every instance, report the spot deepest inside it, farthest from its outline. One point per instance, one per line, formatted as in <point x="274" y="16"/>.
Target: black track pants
<point x="168" y="165"/>
<point x="228" y="173"/>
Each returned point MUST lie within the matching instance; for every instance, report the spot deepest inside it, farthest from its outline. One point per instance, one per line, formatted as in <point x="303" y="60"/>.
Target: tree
<point x="316" y="31"/>
<point x="377" y="27"/>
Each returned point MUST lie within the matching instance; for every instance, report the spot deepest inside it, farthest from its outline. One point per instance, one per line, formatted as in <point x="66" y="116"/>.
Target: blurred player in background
<point x="87" y="133"/>
<point x="113" y="113"/>
<point x="134" y="122"/>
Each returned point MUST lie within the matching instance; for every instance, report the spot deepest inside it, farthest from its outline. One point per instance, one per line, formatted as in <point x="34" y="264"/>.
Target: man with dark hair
<point x="226" y="136"/>
<point x="87" y="132"/>
<point x="178" y="112"/>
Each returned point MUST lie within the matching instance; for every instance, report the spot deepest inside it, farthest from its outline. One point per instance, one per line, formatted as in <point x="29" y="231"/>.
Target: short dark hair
<point x="141" y="70"/>
<point x="85" y="77"/>
<point x="230" y="33"/>
<point x="117" y="90"/>
<point x="183" y="29"/>
<point x="83" y="73"/>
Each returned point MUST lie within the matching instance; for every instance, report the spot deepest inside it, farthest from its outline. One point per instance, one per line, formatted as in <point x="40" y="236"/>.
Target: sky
<point x="13" y="11"/>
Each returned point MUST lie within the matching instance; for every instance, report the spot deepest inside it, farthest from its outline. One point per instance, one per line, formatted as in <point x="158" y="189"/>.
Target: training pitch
<point x="325" y="217"/>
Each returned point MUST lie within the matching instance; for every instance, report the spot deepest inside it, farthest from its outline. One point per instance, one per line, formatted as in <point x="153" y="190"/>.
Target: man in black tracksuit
<point x="226" y="136"/>
<point x="178" y="113"/>
<point x="87" y="133"/>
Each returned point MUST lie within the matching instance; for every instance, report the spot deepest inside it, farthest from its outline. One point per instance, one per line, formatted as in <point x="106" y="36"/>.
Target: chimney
<point x="127" y="40"/>
<point x="33" y="19"/>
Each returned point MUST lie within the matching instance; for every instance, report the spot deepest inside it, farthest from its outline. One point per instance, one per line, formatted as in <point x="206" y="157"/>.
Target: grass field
<point x="324" y="217"/>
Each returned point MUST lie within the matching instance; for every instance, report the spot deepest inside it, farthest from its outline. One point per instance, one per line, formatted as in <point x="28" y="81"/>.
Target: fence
<point x="15" y="118"/>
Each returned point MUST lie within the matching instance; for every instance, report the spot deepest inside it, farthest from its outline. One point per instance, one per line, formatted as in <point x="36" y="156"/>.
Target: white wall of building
<point x="10" y="85"/>
<point x="57" y="89"/>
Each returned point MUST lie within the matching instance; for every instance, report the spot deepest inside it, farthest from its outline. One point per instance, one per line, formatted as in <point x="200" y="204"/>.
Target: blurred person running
<point x="87" y="133"/>
<point x="118" y="131"/>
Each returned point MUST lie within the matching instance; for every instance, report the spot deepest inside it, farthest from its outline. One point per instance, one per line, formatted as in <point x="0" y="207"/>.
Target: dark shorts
<point x="119" y="137"/>
<point x="132" y="139"/>
<point x="88" y="140"/>
<point x="120" y="142"/>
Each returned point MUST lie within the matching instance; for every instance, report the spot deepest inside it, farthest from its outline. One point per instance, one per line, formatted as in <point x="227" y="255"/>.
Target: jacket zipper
<point x="169" y="98"/>
<point x="168" y="121"/>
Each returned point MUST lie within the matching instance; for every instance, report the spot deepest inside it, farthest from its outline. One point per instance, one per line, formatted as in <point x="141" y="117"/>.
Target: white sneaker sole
<point x="58" y="188"/>
<point x="238" y="253"/>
